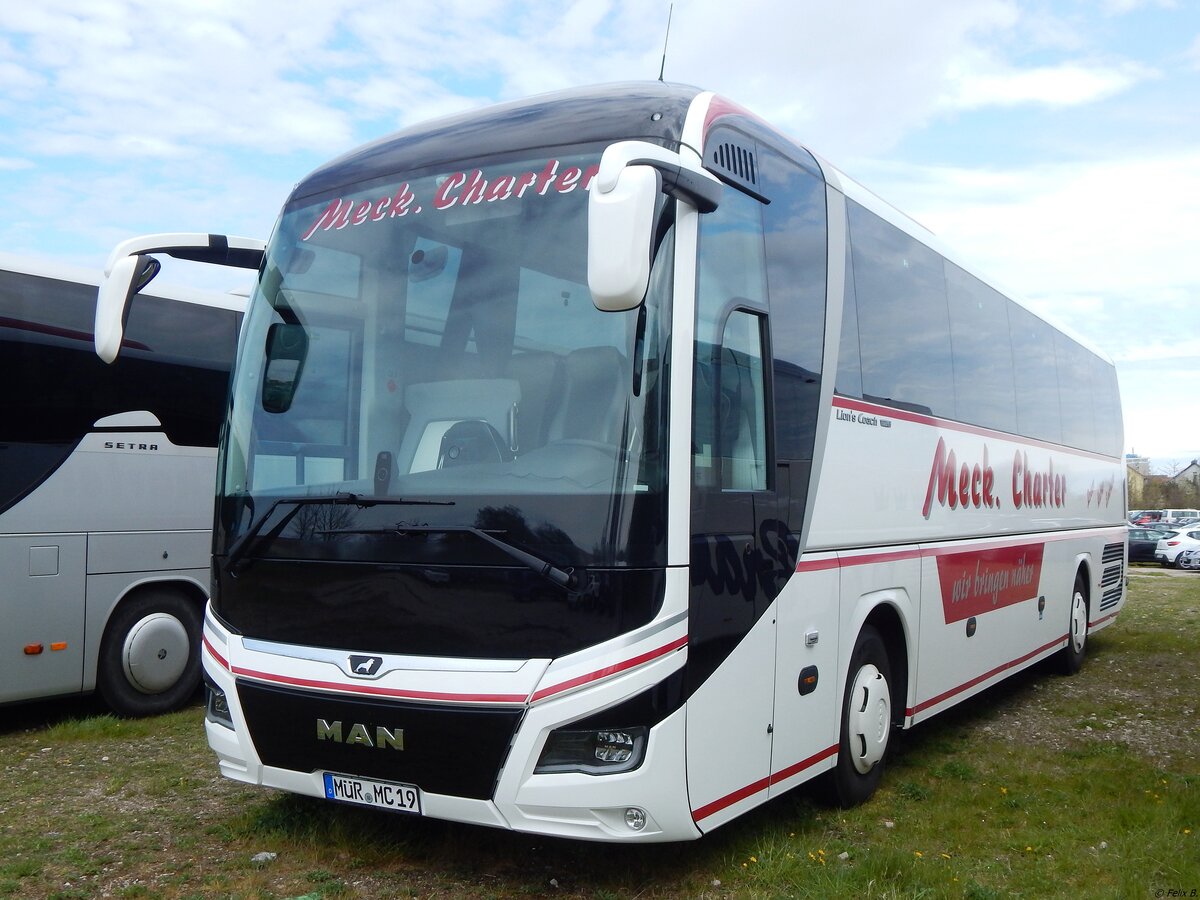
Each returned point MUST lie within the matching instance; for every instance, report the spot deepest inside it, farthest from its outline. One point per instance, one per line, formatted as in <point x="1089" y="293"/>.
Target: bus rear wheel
<point x="1070" y="657"/>
<point x="866" y="724"/>
<point x="150" y="655"/>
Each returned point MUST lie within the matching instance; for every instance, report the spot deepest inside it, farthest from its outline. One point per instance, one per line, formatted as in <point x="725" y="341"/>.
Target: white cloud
<point x="1099" y="227"/>
<point x="1121" y="7"/>
<point x="1067" y="84"/>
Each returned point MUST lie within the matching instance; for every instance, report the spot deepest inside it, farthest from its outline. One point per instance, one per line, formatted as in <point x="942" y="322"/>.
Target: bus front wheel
<point x="866" y="721"/>
<point x="150" y="656"/>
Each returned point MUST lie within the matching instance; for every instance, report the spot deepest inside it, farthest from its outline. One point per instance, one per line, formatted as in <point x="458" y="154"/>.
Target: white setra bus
<point x="106" y="477"/>
<point x="605" y="464"/>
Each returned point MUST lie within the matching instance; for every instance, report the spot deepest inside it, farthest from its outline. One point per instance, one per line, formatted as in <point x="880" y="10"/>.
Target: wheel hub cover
<point x="870" y="718"/>
<point x="155" y="653"/>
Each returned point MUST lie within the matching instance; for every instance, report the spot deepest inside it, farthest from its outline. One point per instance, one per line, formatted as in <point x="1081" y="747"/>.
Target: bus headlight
<point x="216" y="705"/>
<point x="602" y="751"/>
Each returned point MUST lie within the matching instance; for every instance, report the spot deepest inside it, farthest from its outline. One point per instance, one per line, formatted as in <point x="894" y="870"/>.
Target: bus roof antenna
<point x="666" y="37"/>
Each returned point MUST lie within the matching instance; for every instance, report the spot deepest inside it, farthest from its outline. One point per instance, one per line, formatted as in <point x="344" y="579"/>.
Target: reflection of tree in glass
<point x="510" y="525"/>
<point x="323" y="520"/>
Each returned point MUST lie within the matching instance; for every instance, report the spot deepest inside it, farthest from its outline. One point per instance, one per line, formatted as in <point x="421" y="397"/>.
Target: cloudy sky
<point x="1056" y="143"/>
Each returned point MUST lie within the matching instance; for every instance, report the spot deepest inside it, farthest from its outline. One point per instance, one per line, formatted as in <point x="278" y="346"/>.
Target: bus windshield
<point x="424" y="352"/>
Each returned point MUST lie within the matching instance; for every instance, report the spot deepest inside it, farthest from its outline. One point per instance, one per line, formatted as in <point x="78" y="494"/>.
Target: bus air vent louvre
<point x="736" y="164"/>
<point x="1113" y="574"/>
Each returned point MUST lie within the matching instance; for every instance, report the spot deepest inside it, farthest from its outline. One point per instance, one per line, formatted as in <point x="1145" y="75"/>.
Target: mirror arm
<point x="699" y="189"/>
<point x="693" y="185"/>
<point x="218" y="249"/>
<point x="130" y="268"/>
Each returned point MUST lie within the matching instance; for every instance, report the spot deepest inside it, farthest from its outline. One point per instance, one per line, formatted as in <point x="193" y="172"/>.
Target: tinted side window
<point x="1075" y="392"/>
<point x="1036" y="375"/>
<point x="983" y="364"/>
<point x="903" y="323"/>
<point x="849" y="371"/>
<point x="796" y="253"/>
<point x="175" y="362"/>
<point x="48" y="368"/>
<point x="732" y="274"/>
<point x="1107" y="406"/>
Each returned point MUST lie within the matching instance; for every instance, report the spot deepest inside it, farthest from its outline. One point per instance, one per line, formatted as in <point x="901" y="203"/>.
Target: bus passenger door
<point x="43" y="597"/>
<point x="731" y="652"/>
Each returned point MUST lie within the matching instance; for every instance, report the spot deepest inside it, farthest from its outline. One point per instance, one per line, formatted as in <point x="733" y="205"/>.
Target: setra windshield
<point x="425" y="381"/>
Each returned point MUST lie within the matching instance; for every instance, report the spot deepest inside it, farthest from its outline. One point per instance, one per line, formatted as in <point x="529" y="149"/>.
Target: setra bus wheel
<point x="1070" y="657"/>
<point x="866" y="722"/>
<point x="150" y="655"/>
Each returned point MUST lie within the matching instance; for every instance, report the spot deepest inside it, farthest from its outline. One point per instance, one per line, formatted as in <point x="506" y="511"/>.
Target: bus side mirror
<point x="620" y="238"/>
<point x="128" y="276"/>
<point x="287" y="349"/>
<point x="130" y="268"/>
<point x="621" y="222"/>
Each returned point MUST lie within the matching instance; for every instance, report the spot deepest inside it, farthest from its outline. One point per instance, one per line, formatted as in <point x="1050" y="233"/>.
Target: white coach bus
<point x="106" y="478"/>
<point x="605" y="464"/>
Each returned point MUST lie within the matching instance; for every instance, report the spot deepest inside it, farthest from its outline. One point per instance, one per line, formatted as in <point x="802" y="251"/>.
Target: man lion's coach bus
<point x="605" y="464"/>
<point x="106" y="479"/>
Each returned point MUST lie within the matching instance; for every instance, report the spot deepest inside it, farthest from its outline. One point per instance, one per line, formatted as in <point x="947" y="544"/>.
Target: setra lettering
<point x="129" y="445"/>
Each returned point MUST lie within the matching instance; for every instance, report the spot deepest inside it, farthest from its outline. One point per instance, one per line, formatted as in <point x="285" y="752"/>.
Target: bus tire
<point x="866" y="722"/>
<point x="1070" y="658"/>
<point x="150" y="655"/>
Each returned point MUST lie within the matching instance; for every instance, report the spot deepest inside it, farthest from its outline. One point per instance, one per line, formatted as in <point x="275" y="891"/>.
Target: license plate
<point x="369" y="792"/>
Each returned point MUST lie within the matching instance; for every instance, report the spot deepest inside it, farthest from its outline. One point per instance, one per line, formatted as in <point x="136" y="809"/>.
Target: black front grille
<point x="446" y="749"/>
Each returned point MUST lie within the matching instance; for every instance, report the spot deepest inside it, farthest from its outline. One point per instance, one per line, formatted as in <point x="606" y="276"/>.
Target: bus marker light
<point x="59" y="645"/>
<point x="807" y="682"/>
<point x="33" y="649"/>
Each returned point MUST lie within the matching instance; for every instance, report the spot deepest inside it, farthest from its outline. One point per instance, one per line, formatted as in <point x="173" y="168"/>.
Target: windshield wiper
<point x="564" y="578"/>
<point x="252" y="538"/>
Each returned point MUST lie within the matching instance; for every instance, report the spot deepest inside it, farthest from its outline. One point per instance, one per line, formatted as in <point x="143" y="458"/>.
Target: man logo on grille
<point x="365" y="665"/>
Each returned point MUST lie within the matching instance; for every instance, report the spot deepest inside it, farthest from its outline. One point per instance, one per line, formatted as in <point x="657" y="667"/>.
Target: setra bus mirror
<point x="128" y="276"/>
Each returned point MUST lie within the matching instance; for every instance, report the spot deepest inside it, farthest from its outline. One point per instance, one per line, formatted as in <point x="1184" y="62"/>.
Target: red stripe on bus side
<point x="729" y="799"/>
<point x="762" y="784"/>
<point x="966" y="686"/>
<point x="1103" y="619"/>
<point x="799" y="767"/>
<point x="609" y="670"/>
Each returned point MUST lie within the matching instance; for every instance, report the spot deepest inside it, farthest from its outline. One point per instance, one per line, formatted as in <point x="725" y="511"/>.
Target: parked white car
<point x="1188" y="559"/>
<point x="1169" y="548"/>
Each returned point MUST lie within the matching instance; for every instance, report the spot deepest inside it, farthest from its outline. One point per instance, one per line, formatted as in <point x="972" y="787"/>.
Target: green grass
<point x="1082" y="786"/>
